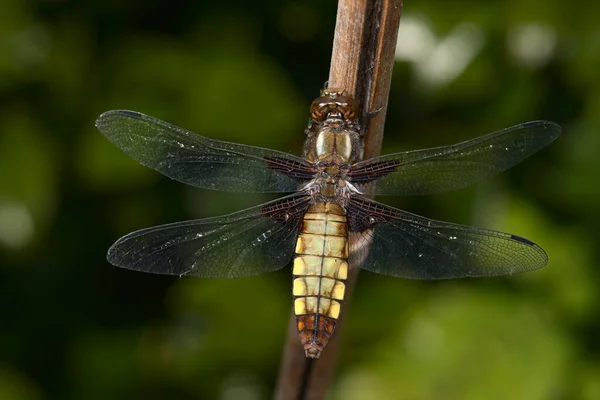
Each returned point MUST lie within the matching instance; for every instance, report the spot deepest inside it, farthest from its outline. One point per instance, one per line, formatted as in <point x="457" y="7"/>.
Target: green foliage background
<point x="74" y="327"/>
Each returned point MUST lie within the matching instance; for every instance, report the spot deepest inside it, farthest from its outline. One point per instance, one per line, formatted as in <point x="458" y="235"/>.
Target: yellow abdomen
<point x="320" y="269"/>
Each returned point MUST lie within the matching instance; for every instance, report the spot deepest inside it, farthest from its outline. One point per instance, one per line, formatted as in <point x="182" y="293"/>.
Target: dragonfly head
<point x="334" y="104"/>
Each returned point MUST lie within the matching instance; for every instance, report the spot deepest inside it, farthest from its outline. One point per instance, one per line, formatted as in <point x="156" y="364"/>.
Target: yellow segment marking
<point x="299" y="287"/>
<point x="338" y="290"/>
<point x="300" y="306"/>
<point x="334" y="310"/>
<point x="342" y="272"/>
<point x="300" y="266"/>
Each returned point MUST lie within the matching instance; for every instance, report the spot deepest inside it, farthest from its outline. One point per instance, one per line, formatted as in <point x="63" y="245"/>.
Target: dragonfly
<point x="325" y="223"/>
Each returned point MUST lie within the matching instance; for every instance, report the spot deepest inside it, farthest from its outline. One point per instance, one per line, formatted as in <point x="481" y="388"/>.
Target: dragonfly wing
<point x="245" y="243"/>
<point x="393" y="242"/>
<point x="198" y="161"/>
<point x="453" y="167"/>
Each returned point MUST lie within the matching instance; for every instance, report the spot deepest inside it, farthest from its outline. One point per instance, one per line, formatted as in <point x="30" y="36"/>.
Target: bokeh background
<point x="74" y="327"/>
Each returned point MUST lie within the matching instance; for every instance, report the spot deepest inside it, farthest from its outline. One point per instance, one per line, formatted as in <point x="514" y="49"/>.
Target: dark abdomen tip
<point x="314" y="351"/>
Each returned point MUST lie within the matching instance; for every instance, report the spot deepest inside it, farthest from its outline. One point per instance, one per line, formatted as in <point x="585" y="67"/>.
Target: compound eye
<point x="349" y="113"/>
<point x="317" y="114"/>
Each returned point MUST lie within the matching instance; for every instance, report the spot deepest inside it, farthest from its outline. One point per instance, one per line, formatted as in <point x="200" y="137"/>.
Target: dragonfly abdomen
<point x="320" y="269"/>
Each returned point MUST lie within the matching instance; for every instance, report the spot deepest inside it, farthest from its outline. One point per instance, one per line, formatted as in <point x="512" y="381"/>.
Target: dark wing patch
<point x="373" y="170"/>
<point x="291" y="167"/>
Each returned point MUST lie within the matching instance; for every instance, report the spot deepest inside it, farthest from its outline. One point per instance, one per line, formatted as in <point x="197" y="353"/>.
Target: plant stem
<point x="362" y="60"/>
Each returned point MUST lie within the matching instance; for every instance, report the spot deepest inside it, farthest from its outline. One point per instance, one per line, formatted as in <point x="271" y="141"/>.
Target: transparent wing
<point x="393" y="242"/>
<point x="453" y="167"/>
<point x="245" y="243"/>
<point x="199" y="161"/>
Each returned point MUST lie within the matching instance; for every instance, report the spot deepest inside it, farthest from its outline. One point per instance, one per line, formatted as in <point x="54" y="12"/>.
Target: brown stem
<point x="361" y="63"/>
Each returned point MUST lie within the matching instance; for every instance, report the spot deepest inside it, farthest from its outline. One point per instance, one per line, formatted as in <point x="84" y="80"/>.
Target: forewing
<point x="453" y="167"/>
<point x="198" y="161"/>
<point x="393" y="242"/>
<point x="245" y="243"/>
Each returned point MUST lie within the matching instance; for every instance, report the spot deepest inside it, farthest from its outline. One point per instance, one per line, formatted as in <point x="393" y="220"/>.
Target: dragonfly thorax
<point x="331" y="183"/>
<point x="333" y="146"/>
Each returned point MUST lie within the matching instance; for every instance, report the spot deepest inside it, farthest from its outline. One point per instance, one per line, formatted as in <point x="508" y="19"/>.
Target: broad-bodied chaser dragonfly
<point x="326" y="223"/>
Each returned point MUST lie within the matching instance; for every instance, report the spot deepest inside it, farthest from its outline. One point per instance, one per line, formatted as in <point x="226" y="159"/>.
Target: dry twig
<point x="362" y="62"/>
